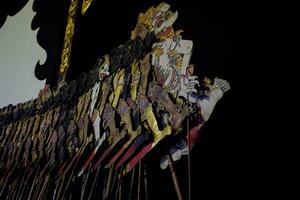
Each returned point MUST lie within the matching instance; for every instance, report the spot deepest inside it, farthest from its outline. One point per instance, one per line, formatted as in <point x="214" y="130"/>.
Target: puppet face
<point x="163" y="18"/>
<point x="104" y="68"/>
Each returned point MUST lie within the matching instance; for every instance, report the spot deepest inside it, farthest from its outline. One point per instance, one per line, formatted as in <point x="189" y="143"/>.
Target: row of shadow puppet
<point x="56" y="135"/>
<point x="104" y="122"/>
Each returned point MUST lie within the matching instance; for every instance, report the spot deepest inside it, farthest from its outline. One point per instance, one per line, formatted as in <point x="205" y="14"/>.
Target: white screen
<point x="19" y="53"/>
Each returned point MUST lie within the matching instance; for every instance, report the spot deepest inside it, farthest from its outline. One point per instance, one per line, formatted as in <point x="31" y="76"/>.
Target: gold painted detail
<point x="158" y="20"/>
<point x="135" y="72"/>
<point x="69" y="34"/>
<point x="177" y="58"/>
<point x="146" y="19"/>
<point x="85" y="5"/>
<point x="158" y="50"/>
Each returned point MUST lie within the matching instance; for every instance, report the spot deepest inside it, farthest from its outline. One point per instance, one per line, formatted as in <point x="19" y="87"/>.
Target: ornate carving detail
<point x="69" y="34"/>
<point x="85" y="5"/>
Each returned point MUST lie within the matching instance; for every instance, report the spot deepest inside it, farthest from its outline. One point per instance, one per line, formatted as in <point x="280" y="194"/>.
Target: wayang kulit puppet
<point x="137" y="96"/>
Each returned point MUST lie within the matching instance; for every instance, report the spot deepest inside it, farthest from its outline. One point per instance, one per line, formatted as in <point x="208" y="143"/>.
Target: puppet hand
<point x="222" y="84"/>
<point x="216" y="92"/>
